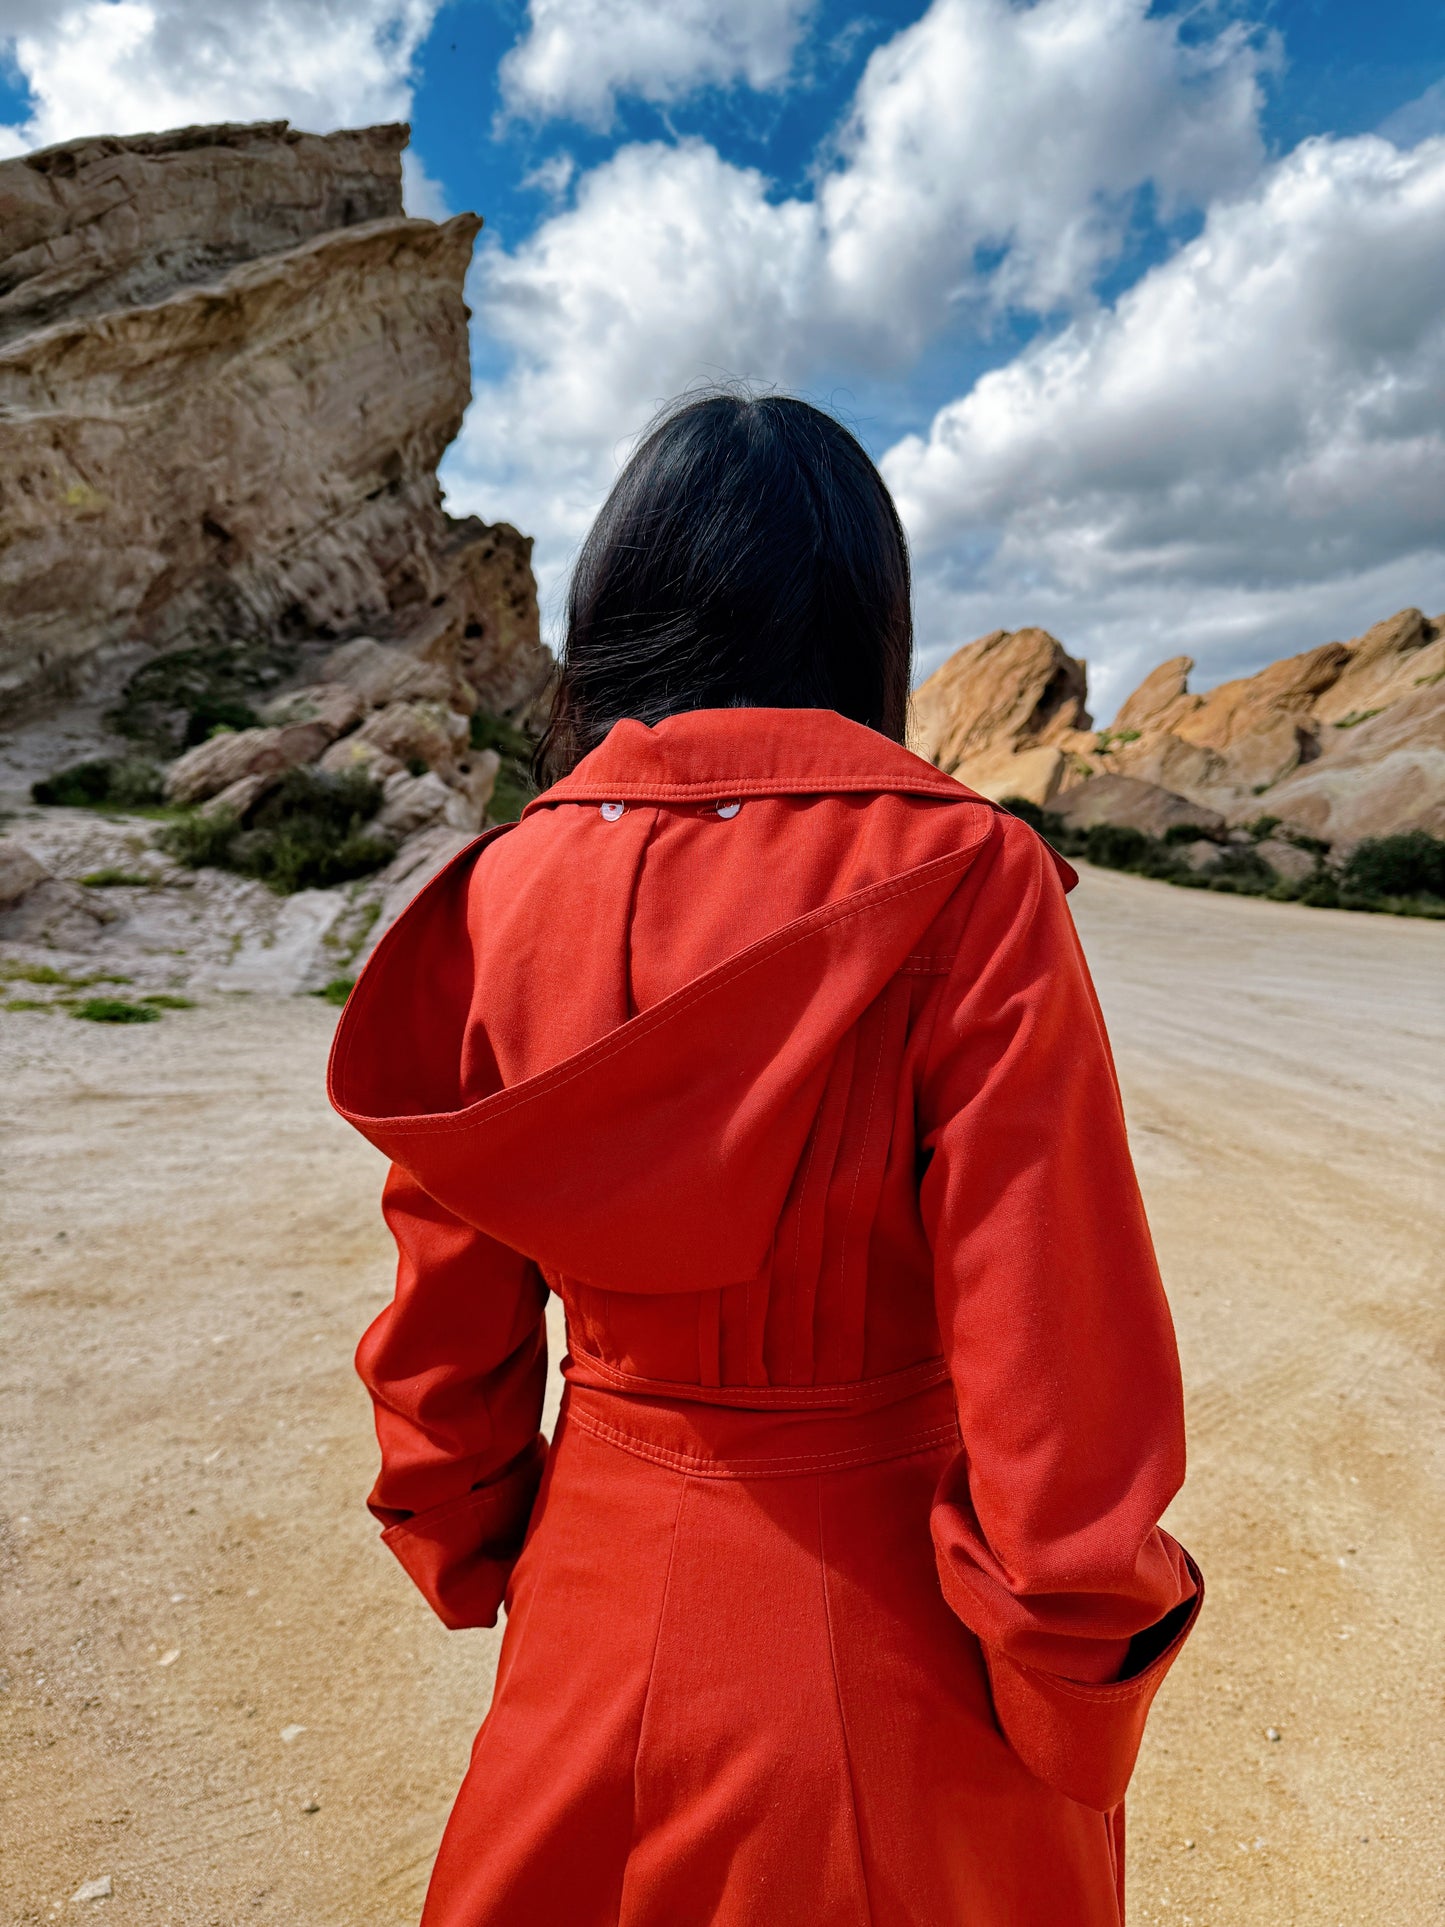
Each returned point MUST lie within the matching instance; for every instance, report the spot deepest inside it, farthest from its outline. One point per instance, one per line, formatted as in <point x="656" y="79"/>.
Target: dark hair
<point x="748" y="556"/>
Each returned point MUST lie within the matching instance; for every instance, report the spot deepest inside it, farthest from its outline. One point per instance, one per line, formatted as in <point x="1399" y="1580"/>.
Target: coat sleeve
<point x="456" y="1367"/>
<point x="1059" y="1341"/>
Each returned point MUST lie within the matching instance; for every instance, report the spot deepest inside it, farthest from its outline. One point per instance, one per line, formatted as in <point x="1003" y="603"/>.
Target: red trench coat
<point x="839" y="1598"/>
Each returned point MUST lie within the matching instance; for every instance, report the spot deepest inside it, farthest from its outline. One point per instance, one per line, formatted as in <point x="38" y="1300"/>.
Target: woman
<point x="839" y="1595"/>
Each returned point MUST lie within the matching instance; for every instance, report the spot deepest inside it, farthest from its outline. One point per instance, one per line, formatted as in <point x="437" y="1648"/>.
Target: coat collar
<point x="709" y="755"/>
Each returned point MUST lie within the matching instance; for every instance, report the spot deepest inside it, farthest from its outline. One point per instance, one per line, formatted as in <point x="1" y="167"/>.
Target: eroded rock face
<point x="229" y="364"/>
<point x="1344" y="741"/>
<point x="1139" y="806"/>
<point x="1003" y="714"/>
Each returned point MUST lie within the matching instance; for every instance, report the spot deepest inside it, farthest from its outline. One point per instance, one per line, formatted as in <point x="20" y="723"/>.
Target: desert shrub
<point x="201" y="839"/>
<point x="337" y="991"/>
<point x="1033" y="814"/>
<point x="1409" y="864"/>
<point x="179" y="699"/>
<point x="515" y="788"/>
<point x="1187" y="833"/>
<point x="115" y="1010"/>
<point x="114" y="782"/>
<point x="1115" y="846"/>
<point x="307" y="833"/>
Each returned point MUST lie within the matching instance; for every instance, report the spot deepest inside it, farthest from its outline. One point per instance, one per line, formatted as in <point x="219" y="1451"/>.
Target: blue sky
<point x="1141" y="309"/>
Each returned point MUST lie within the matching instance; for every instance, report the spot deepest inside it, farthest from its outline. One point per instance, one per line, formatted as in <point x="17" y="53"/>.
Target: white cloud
<point x="1024" y="131"/>
<point x="421" y="196"/>
<point x="1255" y="430"/>
<point x="579" y="55"/>
<point x="135" y="66"/>
<point x="1027" y="130"/>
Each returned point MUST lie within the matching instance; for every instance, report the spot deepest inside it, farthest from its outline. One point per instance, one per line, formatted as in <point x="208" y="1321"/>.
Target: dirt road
<point x="219" y="1692"/>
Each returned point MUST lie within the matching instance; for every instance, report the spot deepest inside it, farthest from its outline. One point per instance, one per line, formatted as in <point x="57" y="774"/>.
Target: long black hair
<point x="749" y="555"/>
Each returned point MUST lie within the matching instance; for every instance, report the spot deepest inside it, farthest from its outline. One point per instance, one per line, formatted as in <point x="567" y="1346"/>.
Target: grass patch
<point x="337" y="991"/>
<point x="514" y="787"/>
<point x="109" y="782"/>
<point x="169" y="1000"/>
<point x="113" y="879"/>
<point x="179" y="699"/>
<point x="308" y="833"/>
<point x="1401" y="876"/>
<point x="115" y="1010"/>
<point x="29" y="973"/>
<point x="1355" y="716"/>
<point x="27" y="1003"/>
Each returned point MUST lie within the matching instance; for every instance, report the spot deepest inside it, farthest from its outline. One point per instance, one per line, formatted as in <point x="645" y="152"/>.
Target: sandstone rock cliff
<point x="1343" y="742"/>
<point x="1004" y="713"/>
<point x="229" y="364"/>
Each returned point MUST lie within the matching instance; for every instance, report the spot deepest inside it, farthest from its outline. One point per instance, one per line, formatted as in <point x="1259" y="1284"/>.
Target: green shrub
<point x="514" y="787"/>
<point x="178" y="699"/>
<point x="215" y="716"/>
<point x="1115" y="846"/>
<point x="1409" y="864"/>
<point x="201" y="839"/>
<point x="121" y="783"/>
<point x="167" y="1000"/>
<point x="337" y="991"/>
<point x="114" y="1010"/>
<point x="1187" y="833"/>
<point x="1036" y="817"/>
<point x="305" y="834"/>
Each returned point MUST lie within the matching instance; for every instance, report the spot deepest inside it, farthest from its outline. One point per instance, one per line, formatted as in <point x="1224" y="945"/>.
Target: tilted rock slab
<point x="229" y="364"/>
<point x="1003" y="714"/>
<point x="1344" y="741"/>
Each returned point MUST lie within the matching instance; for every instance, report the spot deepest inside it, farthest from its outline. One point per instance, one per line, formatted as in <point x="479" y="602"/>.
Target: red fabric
<point x="843" y="1597"/>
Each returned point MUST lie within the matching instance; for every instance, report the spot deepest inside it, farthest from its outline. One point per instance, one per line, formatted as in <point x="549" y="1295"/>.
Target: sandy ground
<point x="220" y="1692"/>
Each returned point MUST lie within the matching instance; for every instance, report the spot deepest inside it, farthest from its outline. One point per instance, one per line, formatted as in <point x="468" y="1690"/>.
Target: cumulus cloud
<point x="1252" y="440"/>
<point x="578" y="55"/>
<point x="1019" y="133"/>
<point x="131" y="66"/>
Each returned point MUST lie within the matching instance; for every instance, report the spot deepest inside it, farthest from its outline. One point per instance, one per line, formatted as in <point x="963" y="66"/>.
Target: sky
<point x="1140" y="309"/>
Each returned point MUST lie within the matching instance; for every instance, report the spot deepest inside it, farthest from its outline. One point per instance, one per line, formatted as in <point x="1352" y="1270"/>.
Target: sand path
<point x="219" y="1691"/>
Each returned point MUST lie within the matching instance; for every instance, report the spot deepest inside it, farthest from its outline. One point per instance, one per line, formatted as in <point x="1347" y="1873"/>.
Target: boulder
<point x="379" y="673"/>
<point x="1287" y="860"/>
<point x="1383" y="775"/>
<point x="333" y="705"/>
<point x="19" y="871"/>
<point x="1008" y="695"/>
<point x="1139" y="805"/>
<point x="352" y="754"/>
<point x="252" y="309"/>
<point x="410" y="731"/>
<point x="412" y="803"/>
<point x="224" y="759"/>
<point x="1202" y="855"/>
<point x="242" y="795"/>
<point x="475" y="775"/>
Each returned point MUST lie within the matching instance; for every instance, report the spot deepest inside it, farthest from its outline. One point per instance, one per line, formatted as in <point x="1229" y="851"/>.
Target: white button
<point x="611" y="811"/>
<point x="728" y="810"/>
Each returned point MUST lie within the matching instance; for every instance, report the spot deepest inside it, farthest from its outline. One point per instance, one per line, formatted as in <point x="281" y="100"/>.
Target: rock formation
<point x="1004" y="714"/>
<point x="229" y="365"/>
<point x="1343" y="742"/>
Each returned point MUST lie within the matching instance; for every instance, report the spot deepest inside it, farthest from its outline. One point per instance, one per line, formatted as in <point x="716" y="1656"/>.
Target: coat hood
<point x="656" y="1155"/>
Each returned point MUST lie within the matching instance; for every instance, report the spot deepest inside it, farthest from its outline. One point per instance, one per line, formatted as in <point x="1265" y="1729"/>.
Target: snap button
<point x="611" y="811"/>
<point x="728" y="810"/>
